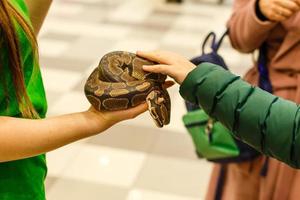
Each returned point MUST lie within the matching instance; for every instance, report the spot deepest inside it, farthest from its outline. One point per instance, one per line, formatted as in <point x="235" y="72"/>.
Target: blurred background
<point x="133" y="160"/>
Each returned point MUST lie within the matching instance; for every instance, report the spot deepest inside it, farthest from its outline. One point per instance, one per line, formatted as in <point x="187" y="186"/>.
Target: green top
<point x="268" y="123"/>
<point x="23" y="179"/>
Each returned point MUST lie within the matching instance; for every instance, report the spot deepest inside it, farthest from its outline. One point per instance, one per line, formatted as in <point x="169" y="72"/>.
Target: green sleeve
<point x="266" y="122"/>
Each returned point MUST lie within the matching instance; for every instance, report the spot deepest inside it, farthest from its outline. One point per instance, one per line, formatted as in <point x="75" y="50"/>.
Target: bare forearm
<point x="38" y="10"/>
<point x="22" y="138"/>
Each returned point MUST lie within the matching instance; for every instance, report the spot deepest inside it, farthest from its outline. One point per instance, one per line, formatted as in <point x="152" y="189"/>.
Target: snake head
<point x="159" y="106"/>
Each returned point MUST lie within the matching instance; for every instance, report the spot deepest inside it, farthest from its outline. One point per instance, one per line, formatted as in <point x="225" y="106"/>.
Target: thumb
<point x="132" y="112"/>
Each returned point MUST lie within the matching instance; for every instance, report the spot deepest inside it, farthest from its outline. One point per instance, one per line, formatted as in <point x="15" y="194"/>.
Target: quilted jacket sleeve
<point x="266" y="122"/>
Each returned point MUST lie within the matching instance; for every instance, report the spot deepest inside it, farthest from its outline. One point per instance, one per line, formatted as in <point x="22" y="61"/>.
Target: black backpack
<point x="246" y="152"/>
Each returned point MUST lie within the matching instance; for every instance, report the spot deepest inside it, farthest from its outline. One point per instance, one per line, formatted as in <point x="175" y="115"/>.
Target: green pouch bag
<point x="211" y="139"/>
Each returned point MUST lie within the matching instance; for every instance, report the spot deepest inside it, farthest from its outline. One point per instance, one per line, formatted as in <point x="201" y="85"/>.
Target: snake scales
<point x="119" y="83"/>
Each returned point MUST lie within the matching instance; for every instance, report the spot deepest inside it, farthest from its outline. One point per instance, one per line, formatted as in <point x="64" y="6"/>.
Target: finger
<point x="168" y="84"/>
<point x="297" y="2"/>
<point x="135" y="111"/>
<point x="163" y="69"/>
<point x="279" y="18"/>
<point x="288" y="4"/>
<point x="283" y="11"/>
<point x="156" y="56"/>
<point x="131" y="113"/>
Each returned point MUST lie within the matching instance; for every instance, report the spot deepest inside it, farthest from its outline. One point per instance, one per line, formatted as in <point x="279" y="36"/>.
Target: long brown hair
<point x="10" y="41"/>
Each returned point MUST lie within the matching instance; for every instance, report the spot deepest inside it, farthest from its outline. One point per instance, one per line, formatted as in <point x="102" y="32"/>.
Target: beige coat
<point x="247" y="33"/>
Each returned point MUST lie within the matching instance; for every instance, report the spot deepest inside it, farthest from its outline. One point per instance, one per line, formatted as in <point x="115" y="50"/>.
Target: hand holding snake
<point x="120" y="83"/>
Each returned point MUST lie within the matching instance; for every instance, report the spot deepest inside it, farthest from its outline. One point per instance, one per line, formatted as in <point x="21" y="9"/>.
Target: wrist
<point x="185" y="73"/>
<point x="182" y="77"/>
<point x="97" y="122"/>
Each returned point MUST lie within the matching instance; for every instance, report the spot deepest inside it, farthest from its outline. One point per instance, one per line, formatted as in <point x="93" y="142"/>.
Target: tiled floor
<point x="133" y="160"/>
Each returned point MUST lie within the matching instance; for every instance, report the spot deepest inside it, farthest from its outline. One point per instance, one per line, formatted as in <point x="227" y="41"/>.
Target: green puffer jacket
<point x="268" y="123"/>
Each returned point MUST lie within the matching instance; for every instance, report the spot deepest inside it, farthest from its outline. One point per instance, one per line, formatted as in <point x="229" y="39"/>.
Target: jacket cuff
<point x="195" y="77"/>
<point x="255" y="21"/>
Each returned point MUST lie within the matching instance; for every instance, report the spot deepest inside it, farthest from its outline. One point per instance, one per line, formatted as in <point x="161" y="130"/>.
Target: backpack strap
<point x="211" y="36"/>
<point x="220" y="183"/>
<point x="215" y="45"/>
<point x="264" y="79"/>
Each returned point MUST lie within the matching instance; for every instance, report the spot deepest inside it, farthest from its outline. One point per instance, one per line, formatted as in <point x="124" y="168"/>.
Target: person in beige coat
<point x="276" y="23"/>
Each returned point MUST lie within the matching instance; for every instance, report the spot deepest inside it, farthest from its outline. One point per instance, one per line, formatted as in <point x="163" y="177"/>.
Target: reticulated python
<point x="119" y="83"/>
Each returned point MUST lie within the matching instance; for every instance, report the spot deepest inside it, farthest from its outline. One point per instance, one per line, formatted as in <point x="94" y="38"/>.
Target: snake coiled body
<point x="119" y="83"/>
